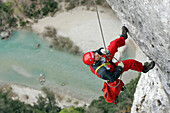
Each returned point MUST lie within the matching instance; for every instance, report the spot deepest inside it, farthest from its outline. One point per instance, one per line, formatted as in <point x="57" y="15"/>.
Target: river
<point x="22" y="63"/>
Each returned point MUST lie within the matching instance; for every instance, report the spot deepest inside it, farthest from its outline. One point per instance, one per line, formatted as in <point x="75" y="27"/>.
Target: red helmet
<point x="88" y="58"/>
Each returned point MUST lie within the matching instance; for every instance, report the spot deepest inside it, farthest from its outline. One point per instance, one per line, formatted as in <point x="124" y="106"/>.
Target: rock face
<point x="4" y="35"/>
<point x="149" y="25"/>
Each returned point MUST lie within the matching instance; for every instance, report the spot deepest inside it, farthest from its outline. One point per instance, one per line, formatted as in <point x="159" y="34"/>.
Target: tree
<point x="72" y="110"/>
<point x="45" y="10"/>
<point x="48" y="103"/>
<point x="44" y="104"/>
<point x="53" y="6"/>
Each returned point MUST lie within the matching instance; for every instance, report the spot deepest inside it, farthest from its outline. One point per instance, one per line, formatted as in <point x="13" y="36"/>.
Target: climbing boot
<point x="148" y="66"/>
<point x="124" y="32"/>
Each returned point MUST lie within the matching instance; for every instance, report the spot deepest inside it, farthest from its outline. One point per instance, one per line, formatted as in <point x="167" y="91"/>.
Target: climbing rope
<point x="100" y="24"/>
<point x="101" y="31"/>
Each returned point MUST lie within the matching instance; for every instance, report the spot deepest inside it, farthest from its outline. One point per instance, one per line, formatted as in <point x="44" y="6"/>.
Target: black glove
<point x="99" y="51"/>
<point x="102" y="51"/>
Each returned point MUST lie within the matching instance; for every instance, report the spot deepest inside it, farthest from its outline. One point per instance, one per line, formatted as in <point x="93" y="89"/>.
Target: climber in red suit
<point x="100" y="61"/>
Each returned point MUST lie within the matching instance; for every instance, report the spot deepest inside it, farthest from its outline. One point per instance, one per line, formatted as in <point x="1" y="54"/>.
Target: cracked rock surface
<point x="149" y="24"/>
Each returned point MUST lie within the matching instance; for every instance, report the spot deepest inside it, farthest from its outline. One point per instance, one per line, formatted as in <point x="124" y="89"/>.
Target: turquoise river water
<point x="22" y="63"/>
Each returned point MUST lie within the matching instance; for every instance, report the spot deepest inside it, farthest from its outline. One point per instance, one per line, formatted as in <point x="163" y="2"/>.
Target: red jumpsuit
<point x="128" y="64"/>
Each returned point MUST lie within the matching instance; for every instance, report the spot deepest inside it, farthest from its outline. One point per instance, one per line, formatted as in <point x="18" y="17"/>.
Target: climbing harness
<point x="116" y="85"/>
<point x="101" y="31"/>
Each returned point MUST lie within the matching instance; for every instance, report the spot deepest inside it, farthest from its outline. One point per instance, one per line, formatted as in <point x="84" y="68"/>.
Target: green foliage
<point x="53" y="6"/>
<point x="74" y="3"/>
<point x="99" y="2"/>
<point x="11" y="106"/>
<point x="13" y="21"/>
<point x="44" y="105"/>
<point x="32" y="5"/>
<point x="83" y="2"/>
<point x="35" y="9"/>
<point x="101" y="106"/>
<point x="45" y="10"/>
<point x="44" y="7"/>
<point x="49" y="6"/>
<point x="6" y="15"/>
<point x="22" y="23"/>
<point x="6" y="7"/>
<point x="72" y="110"/>
<point x="48" y="103"/>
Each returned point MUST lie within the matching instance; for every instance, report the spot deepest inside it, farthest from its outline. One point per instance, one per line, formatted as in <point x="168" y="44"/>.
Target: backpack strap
<point x="101" y="66"/>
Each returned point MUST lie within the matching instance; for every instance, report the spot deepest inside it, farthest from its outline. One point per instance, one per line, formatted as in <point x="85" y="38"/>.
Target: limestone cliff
<point x="149" y="25"/>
